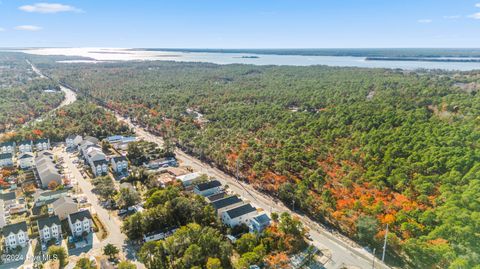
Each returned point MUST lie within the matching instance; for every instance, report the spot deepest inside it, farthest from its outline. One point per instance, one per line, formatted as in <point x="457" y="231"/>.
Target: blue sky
<point x="240" y="23"/>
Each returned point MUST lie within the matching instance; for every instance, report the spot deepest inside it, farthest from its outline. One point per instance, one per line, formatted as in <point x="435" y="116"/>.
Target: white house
<point x="80" y="222"/>
<point x="26" y="160"/>
<point x="227" y="203"/>
<point x="7" y="147"/>
<point x="259" y="223"/>
<point x="119" y="164"/>
<point x="6" y="159"/>
<point x="239" y="215"/>
<point x="73" y="141"/>
<point x="207" y="188"/>
<point x="49" y="228"/>
<point x="42" y="144"/>
<point x="189" y="179"/>
<point x="100" y="167"/>
<point x="25" y="146"/>
<point x="15" y="235"/>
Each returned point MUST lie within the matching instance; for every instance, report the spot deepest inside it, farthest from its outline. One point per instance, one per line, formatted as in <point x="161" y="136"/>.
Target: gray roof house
<point x="6" y="159"/>
<point x="49" y="228"/>
<point x="15" y="235"/>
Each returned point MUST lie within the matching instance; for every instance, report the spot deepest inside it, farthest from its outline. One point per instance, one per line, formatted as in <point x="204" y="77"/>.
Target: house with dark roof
<point x="216" y="196"/>
<point x="7" y="147"/>
<point x="73" y="141"/>
<point x="42" y="144"/>
<point x="25" y="146"/>
<point x="6" y="159"/>
<point x="226" y="203"/>
<point x="207" y="188"/>
<point x="49" y="228"/>
<point x="119" y="164"/>
<point x="100" y="167"/>
<point x="9" y="199"/>
<point x="239" y="215"/>
<point x="26" y="160"/>
<point x="80" y="222"/>
<point x="15" y="235"/>
<point x="259" y="223"/>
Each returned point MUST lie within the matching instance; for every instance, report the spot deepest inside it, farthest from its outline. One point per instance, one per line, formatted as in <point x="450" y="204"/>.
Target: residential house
<point x="159" y="163"/>
<point x="49" y="175"/>
<point x="25" y="146"/>
<point x="100" y="167"/>
<point x="3" y="216"/>
<point x="188" y="179"/>
<point x="15" y="235"/>
<point x="63" y="207"/>
<point x="73" y="141"/>
<point x="226" y="203"/>
<point x="239" y="215"/>
<point x="216" y="196"/>
<point x="47" y="171"/>
<point x="41" y="197"/>
<point x="49" y="228"/>
<point x="119" y="164"/>
<point x="80" y="222"/>
<point x="9" y="199"/>
<point x="259" y="223"/>
<point x="26" y="160"/>
<point x="42" y="144"/>
<point x="91" y="139"/>
<point x="6" y="159"/>
<point x="7" y="147"/>
<point x="207" y="188"/>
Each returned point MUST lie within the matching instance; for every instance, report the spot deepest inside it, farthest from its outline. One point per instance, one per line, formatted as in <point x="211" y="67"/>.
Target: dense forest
<point x="83" y="118"/>
<point x="354" y="148"/>
<point x="23" y="95"/>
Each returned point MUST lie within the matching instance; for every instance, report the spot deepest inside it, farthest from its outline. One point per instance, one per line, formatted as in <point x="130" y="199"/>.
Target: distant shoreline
<point x="421" y="59"/>
<point x="368" y="53"/>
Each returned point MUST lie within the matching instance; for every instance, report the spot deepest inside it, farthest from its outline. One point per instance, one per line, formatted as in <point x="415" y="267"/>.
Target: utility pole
<point x="385" y="244"/>
<point x="373" y="262"/>
<point x="237" y="167"/>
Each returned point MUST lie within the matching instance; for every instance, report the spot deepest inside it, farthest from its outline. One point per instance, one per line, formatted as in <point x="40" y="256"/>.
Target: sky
<point x="241" y="23"/>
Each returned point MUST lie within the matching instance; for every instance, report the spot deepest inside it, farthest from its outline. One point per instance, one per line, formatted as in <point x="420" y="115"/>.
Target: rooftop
<point x="80" y="215"/>
<point x="216" y="196"/>
<point x="226" y="202"/>
<point x="49" y="221"/>
<point x="6" y="156"/>
<point x="208" y="185"/>
<point x="14" y="228"/>
<point x="262" y="219"/>
<point x="240" y="211"/>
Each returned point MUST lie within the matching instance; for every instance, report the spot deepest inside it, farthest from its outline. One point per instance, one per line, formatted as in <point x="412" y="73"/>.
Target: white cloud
<point x="477" y="5"/>
<point x="2" y="29"/>
<point x="475" y="16"/>
<point x="425" y="21"/>
<point x="49" y="8"/>
<point x="31" y="28"/>
<point x="453" y="17"/>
